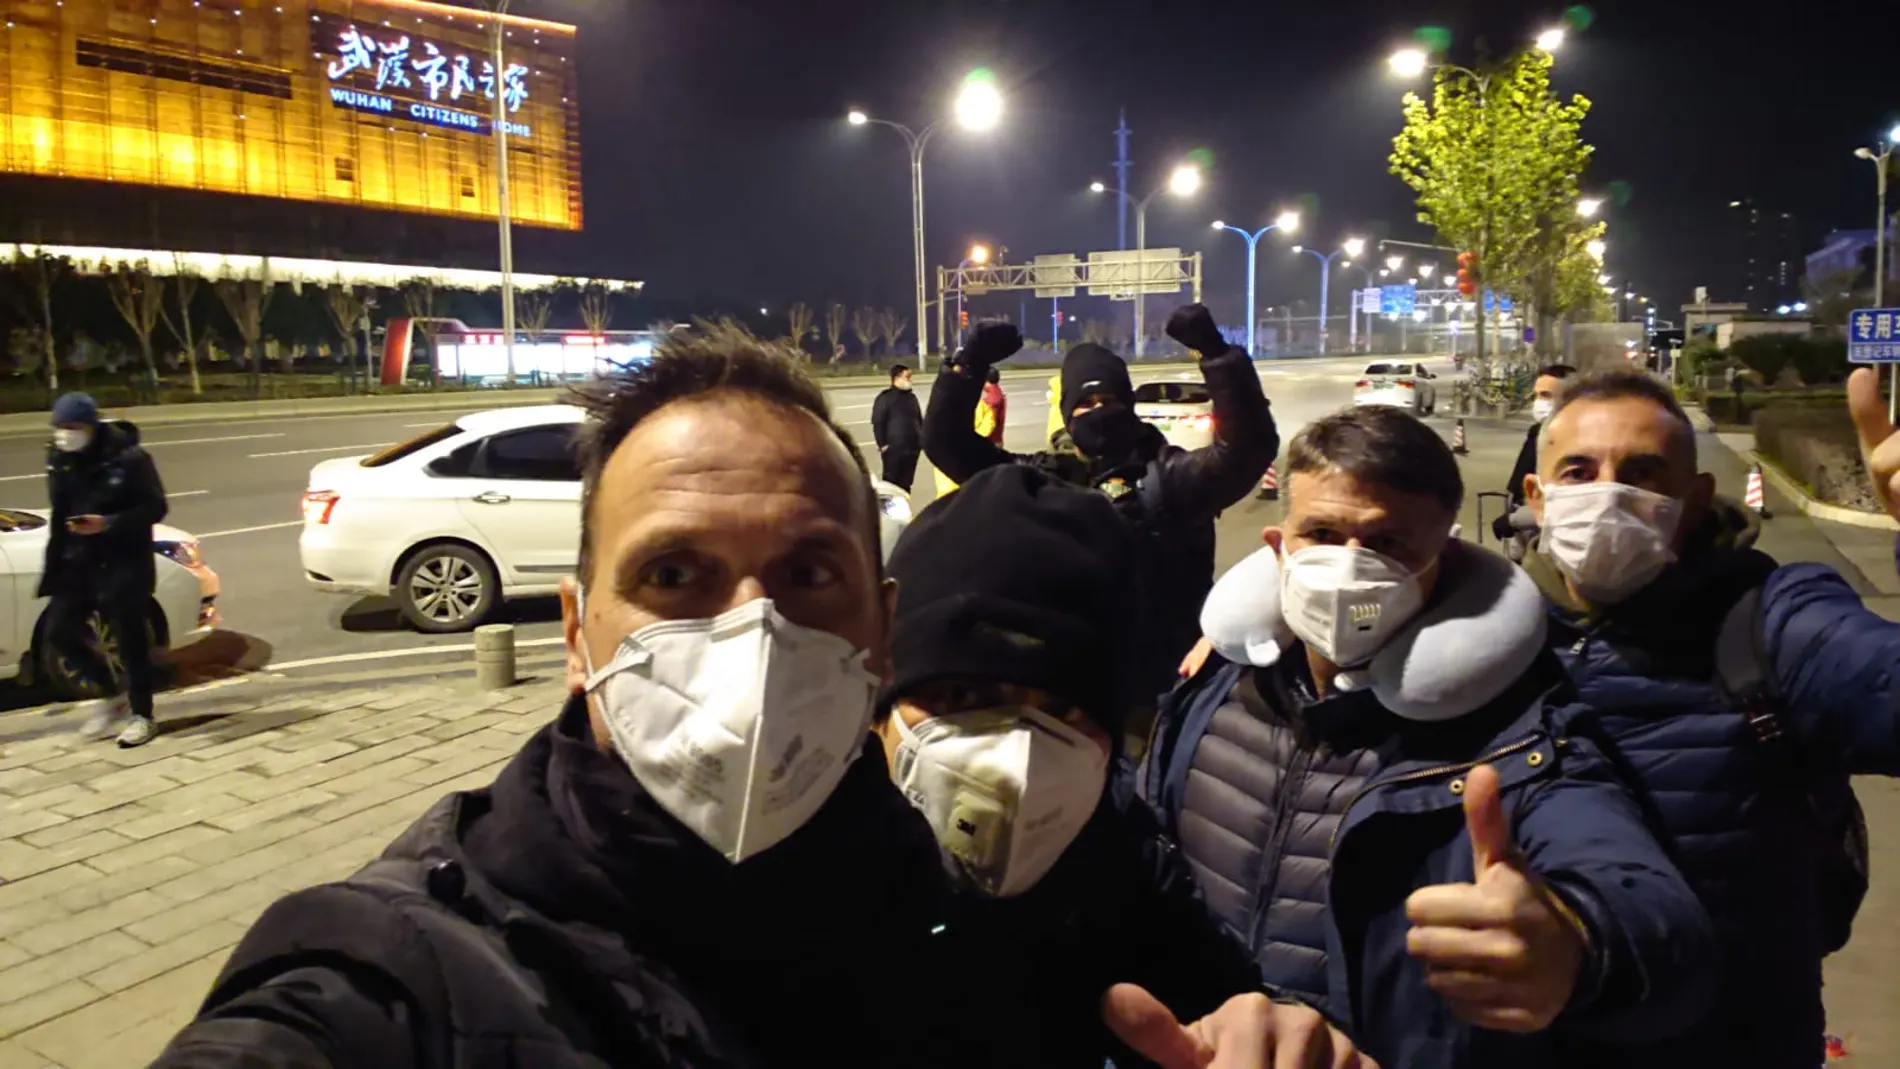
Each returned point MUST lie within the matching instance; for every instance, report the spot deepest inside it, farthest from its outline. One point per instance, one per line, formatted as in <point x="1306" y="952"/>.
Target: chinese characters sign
<point x="389" y="72"/>
<point x="1873" y="336"/>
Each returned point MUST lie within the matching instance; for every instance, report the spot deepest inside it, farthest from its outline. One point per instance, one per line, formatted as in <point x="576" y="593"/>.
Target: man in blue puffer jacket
<point x="1643" y="567"/>
<point x="1403" y="841"/>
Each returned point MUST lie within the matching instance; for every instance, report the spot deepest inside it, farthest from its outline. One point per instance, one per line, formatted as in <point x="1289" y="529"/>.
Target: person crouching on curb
<point x="1364" y="780"/>
<point x="1011" y="677"/>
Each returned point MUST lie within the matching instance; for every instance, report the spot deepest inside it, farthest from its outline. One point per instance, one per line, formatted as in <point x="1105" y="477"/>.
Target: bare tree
<point x="419" y="296"/>
<point x="596" y="308"/>
<point x="798" y="322"/>
<point x="834" y="330"/>
<point x="184" y="291"/>
<point x="891" y="326"/>
<point x="864" y="325"/>
<point x="40" y="276"/>
<point x="139" y="298"/>
<point x="346" y="308"/>
<point x="245" y="301"/>
<point x="532" y="309"/>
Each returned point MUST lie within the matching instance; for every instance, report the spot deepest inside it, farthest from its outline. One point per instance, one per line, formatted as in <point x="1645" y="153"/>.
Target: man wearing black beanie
<point x="1169" y="495"/>
<point x="1011" y="648"/>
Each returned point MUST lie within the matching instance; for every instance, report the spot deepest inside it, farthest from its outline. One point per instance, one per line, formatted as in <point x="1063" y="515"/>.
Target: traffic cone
<point x="1458" y="438"/>
<point x="1270" y="485"/>
<point x="1753" y="497"/>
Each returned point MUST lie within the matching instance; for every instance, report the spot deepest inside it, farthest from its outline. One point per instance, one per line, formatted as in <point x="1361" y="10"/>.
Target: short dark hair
<point x="1619" y="383"/>
<point x="898" y="371"/>
<point x="995" y="376"/>
<point x="1384" y="446"/>
<point x="1556" y="371"/>
<point x="709" y="360"/>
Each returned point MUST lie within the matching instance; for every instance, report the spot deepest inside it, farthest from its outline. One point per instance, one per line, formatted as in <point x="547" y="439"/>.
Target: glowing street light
<point x="1393" y="263"/>
<point x="978" y="106"/>
<point x="1427" y="270"/>
<point x="979" y="254"/>
<point x="1597" y="249"/>
<point x="1589" y="206"/>
<point x="1551" y="40"/>
<point x="1408" y="62"/>
<point x="1354" y="246"/>
<point x="1286" y="222"/>
<point x="1185" y="181"/>
<point x="1097" y="187"/>
<point x="1325" y="280"/>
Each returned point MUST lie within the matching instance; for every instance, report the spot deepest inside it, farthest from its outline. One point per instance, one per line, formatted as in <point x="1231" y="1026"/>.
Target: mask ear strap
<point x="580" y="613"/>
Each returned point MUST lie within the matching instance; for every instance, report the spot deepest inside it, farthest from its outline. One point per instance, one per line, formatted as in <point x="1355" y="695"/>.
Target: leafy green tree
<point x="1496" y="158"/>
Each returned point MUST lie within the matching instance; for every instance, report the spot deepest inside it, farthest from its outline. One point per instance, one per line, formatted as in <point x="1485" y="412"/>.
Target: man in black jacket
<point x="1544" y="390"/>
<point x="897" y="423"/>
<point x="106" y="497"/>
<point x="701" y="861"/>
<point x="1170" y="495"/>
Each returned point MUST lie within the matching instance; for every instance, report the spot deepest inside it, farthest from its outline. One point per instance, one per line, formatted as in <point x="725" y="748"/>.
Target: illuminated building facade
<point x="372" y="104"/>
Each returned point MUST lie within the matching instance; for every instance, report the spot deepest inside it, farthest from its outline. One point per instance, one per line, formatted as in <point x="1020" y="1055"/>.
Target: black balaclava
<point x="1110" y="431"/>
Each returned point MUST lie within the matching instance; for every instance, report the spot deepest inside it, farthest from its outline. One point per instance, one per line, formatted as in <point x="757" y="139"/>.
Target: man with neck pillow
<point x="1364" y="783"/>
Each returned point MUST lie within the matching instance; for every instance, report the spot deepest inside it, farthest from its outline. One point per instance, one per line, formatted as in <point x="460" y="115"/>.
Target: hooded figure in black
<point x="1170" y="495"/>
<point x="106" y="498"/>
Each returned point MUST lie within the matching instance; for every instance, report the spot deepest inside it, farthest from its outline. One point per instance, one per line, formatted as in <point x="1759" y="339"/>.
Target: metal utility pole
<point x="1121" y="180"/>
<point x="499" y="125"/>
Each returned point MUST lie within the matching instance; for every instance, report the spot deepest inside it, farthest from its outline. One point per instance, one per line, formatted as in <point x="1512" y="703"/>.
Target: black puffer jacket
<point x="113" y="477"/>
<point x="558" y="918"/>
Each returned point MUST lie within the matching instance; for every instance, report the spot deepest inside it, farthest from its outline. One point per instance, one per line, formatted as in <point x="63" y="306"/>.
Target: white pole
<point x="1880" y="273"/>
<point x="1141" y="257"/>
<point x="917" y="246"/>
<point x="499" y="120"/>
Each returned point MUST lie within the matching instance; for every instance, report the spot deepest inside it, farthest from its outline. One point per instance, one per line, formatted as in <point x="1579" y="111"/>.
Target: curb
<point x="1809" y="505"/>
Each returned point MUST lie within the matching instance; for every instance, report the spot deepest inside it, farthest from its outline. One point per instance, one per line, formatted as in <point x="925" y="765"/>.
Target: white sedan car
<point x="1182" y="410"/>
<point x="453" y="522"/>
<point x="1400" y="385"/>
<point x="183" y="608"/>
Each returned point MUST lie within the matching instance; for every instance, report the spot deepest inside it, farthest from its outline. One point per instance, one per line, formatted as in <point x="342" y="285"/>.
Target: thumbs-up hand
<point x="1504" y="950"/>
<point x="1247" y="1032"/>
<point x="1879" y="444"/>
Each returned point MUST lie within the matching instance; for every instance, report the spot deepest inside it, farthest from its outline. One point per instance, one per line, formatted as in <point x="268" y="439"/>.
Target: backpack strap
<point x="1742" y="668"/>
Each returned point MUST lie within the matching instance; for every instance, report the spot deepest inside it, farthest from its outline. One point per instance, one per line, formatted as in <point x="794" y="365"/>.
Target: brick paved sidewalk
<point x="126" y="876"/>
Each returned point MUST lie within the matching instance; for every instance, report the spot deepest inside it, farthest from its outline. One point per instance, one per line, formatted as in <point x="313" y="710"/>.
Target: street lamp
<point x="1551" y="40"/>
<point x="1286" y="222"/>
<point x="498" y="131"/>
<point x="979" y="255"/>
<point x="1184" y="181"/>
<point x="1879" y="160"/>
<point x="978" y="107"/>
<point x="1589" y="206"/>
<point x="1409" y="62"/>
<point x="1426" y="271"/>
<point x="1597" y="249"/>
<point x="1325" y="278"/>
<point x="1393" y="263"/>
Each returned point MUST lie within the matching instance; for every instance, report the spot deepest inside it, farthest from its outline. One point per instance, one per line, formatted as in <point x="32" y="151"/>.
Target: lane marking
<point x="185" y="493"/>
<point x="17" y="478"/>
<point x="411" y="651"/>
<point x="228" y="438"/>
<point x="370" y="448"/>
<point x="250" y="530"/>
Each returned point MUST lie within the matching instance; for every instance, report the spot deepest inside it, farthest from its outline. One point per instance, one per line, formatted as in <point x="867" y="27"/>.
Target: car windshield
<point x="1380" y="369"/>
<point x="1172" y="393"/>
<point x="15" y="520"/>
<point x="413" y="445"/>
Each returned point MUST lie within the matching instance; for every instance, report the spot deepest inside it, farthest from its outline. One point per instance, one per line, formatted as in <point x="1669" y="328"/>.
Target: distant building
<point x="1768" y="248"/>
<point x="1850" y="250"/>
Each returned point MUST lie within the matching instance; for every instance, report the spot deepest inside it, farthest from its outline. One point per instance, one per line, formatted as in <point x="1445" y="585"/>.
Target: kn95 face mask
<point x="1345" y="602"/>
<point x="1006" y="791"/>
<point x="741" y="725"/>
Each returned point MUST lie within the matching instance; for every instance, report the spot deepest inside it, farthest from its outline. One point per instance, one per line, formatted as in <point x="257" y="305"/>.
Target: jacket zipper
<point x="1424" y="773"/>
<point x="1289" y="785"/>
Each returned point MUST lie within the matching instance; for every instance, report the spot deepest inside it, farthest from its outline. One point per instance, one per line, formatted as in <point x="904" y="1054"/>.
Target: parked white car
<point x="1181" y="409"/>
<point x="183" y="608"/>
<point x="452" y="523"/>
<point x="1410" y="386"/>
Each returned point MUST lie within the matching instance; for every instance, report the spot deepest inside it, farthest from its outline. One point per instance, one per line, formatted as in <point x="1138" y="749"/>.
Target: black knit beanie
<point x="1090" y="369"/>
<point x="1018" y="578"/>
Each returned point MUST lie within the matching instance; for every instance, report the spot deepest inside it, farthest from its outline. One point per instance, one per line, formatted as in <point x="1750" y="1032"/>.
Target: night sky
<point x="719" y="168"/>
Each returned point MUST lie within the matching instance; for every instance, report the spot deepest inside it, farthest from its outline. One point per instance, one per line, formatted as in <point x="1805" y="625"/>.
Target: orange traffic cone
<point x="1458" y="438"/>
<point x="1753" y="497"/>
<point x="1270" y="485"/>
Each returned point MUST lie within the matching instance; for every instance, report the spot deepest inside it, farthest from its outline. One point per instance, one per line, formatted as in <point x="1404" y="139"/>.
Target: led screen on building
<point x="377" y="103"/>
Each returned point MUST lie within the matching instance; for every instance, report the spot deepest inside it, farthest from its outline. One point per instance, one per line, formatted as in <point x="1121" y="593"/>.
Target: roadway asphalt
<point x="237" y="485"/>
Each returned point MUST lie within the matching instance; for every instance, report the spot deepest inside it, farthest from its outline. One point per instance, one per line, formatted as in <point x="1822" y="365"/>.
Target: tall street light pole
<point x="979" y="106"/>
<point x="1182" y="183"/>
<point x="1325" y="280"/>
<point x="979" y="255"/>
<point x="498" y="119"/>
<point x="1880" y="160"/>
<point x="1288" y="222"/>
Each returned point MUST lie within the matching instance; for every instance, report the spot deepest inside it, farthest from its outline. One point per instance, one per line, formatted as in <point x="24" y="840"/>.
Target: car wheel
<point x="63" y="677"/>
<point x="447" y="587"/>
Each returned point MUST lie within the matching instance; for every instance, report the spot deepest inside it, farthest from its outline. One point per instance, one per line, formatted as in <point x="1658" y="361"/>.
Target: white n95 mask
<point x="1345" y="602"/>
<point x="740" y="726"/>
<point x="1006" y="791"/>
<point x="1541" y="408"/>
<point x="71" y="439"/>
<point x="1610" y="539"/>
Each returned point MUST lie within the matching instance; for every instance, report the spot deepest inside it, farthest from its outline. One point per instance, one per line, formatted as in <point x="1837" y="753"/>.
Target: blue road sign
<point x="1873" y="336"/>
<point x="1493" y="302"/>
<point x="1399" y="300"/>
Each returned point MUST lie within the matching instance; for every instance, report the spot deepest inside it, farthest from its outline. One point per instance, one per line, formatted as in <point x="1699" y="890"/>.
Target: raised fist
<point x="1193" y="326"/>
<point x="990" y="342"/>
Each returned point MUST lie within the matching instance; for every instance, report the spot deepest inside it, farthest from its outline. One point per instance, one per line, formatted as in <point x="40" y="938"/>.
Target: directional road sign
<point x="1873" y="336"/>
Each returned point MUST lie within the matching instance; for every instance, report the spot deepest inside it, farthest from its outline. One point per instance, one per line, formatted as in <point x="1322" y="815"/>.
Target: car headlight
<point x="895" y="507"/>
<point x="184" y="553"/>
